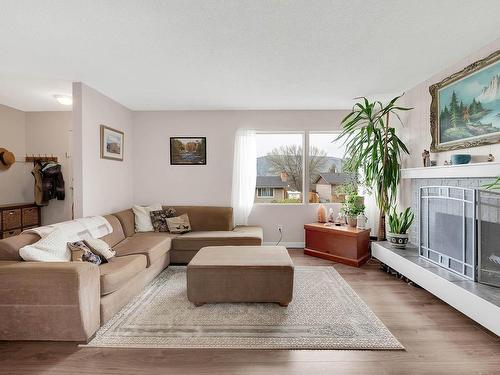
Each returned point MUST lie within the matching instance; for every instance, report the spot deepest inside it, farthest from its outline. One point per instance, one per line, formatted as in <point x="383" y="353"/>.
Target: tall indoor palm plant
<point x="374" y="150"/>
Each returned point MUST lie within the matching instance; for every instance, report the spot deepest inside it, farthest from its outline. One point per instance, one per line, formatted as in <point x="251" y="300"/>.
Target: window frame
<point x="309" y="132"/>
<point x="266" y="196"/>
<point x="304" y="135"/>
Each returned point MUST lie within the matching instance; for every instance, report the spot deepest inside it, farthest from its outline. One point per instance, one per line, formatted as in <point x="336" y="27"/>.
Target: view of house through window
<point x="279" y="168"/>
<point x="325" y="168"/>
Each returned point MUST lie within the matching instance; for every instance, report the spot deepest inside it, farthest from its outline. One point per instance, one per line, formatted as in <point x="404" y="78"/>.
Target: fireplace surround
<point x="458" y="226"/>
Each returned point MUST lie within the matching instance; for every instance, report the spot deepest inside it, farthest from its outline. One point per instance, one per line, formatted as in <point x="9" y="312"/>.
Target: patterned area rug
<point x="325" y="314"/>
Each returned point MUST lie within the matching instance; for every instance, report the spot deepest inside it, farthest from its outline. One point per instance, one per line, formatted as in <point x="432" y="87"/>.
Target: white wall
<point x="101" y="186"/>
<point x="417" y="133"/>
<point x="155" y="180"/>
<point x="14" y="186"/>
<point x="49" y="133"/>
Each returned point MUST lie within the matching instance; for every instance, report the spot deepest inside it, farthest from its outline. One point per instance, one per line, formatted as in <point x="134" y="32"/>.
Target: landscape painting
<point x="465" y="110"/>
<point x="188" y="151"/>
<point x="111" y="143"/>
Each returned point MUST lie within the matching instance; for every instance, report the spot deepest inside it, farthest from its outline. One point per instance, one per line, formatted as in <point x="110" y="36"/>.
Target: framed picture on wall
<point x="188" y="150"/>
<point x="465" y="107"/>
<point x="112" y="142"/>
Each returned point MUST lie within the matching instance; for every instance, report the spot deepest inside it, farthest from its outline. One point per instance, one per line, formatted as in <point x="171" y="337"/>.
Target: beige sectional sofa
<point x="69" y="301"/>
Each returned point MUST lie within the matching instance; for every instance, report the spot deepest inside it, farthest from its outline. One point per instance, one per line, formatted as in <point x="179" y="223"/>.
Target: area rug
<point x="325" y="314"/>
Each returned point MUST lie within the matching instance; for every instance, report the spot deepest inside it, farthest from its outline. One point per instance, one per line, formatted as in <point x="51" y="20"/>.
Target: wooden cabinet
<point x="341" y="244"/>
<point x="14" y="218"/>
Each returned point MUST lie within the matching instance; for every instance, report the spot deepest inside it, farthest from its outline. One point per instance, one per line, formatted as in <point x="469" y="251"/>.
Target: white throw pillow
<point x="100" y="247"/>
<point x="143" y="218"/>
<point x="51" y="248"/>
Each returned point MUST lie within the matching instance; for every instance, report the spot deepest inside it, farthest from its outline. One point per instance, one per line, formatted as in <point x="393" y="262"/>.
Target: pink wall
<point x="416" y="132"/>
<point x="155" y="180"/>
<point x="101" y="186"/>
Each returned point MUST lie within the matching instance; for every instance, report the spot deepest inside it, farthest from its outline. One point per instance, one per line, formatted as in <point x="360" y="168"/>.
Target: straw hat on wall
<point x="7" y="158"/>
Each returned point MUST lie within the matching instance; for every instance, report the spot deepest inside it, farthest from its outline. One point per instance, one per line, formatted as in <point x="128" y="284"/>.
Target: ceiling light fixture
<point x="64" y="99"/>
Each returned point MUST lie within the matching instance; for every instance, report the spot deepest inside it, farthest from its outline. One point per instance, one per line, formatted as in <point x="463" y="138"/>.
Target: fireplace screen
<point x="489" y="237"/>
<point x="447" y="229"/>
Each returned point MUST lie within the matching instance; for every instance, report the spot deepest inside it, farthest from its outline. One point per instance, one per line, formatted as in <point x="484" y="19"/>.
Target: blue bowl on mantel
<point x="460" y="159"/>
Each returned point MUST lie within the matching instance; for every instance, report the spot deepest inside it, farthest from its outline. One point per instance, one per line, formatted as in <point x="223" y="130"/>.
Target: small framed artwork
<point x="465" y="108"/>
<point x="188" y="150"/>
<point x="112" y="141"/>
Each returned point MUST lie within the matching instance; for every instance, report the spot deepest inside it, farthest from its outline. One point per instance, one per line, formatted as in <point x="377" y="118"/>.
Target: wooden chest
<point x="14" y="218"/>
<point x="341" y="244"/>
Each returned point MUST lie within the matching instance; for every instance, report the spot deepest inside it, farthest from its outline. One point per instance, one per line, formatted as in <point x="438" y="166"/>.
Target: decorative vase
<point x="460" y="159"/>
<point x="362" y="221"/>
<point x="321" y="214"/>
<point x="352" y="221"/>
<point x="397" y="240"/>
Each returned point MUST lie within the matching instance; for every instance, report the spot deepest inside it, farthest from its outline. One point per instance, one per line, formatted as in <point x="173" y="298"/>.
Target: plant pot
<point x="398" y="241"/>
<point x="352" y="221"/>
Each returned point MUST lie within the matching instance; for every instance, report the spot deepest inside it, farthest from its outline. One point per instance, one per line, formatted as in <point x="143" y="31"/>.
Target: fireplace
<point x="447" y="228"/>
<point x="459" y="229"/>
<point x="488" y="212"/>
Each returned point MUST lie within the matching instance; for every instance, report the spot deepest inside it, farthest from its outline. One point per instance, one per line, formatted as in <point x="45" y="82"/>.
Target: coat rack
<point x="40" y="158"/>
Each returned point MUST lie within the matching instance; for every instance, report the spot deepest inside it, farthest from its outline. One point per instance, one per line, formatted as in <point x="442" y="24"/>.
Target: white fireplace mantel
<point x="473" y="170"/>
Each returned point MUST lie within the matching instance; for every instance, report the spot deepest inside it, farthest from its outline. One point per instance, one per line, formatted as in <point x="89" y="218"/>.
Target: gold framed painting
<point x="465" y="107"/>
<point x="112" y="142"/>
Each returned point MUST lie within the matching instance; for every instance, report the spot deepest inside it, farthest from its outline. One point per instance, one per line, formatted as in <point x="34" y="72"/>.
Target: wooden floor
<point x="437" y="338"/>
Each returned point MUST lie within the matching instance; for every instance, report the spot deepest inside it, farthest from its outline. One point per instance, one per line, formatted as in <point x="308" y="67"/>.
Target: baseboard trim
<point x="291" y="245"/>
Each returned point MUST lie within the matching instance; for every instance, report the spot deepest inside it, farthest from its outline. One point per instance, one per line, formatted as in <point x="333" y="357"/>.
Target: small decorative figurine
<point x="491" y="157"/>
<point x="426" y="158"/>
<point x="321" y="213"/>
<point x="331" y="216"/>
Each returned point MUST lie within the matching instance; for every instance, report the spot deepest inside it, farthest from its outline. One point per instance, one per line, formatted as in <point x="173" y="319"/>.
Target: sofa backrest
<point x="9" y="247"/>
<point x="201" y="218"/>
<point x="207" y="218"/>
<point x="117" y="235"/>
<point x="126" y="218"/>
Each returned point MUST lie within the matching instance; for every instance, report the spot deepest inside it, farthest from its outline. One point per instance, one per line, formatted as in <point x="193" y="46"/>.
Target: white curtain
<point x="371" y="212"/>
<point x="244" y="175"/>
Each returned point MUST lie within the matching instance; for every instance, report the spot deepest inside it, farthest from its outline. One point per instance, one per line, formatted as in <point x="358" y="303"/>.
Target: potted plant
<point x="399" y="223"/>
<point x="374" y="150"/>
<point x="352" y="207"/>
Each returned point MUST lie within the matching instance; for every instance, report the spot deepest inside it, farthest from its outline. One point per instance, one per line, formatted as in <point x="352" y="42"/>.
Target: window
<point x="265" y="192"/>
<point x="325" y="168"/>
<point x="279" y="168"/>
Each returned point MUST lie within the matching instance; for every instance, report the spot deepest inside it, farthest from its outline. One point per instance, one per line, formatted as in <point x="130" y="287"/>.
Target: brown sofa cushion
<point x="153" y="246"/>
<point x="204" y="218"/>
<point x="127" y="221"/>
<point x="119" y="270"/>
<point x="241" y="236"/>
<point x="117" y="235"/>
<point x="9" y="247"/>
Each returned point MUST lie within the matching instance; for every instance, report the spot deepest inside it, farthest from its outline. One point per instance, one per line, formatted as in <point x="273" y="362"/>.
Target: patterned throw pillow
<point x="159" y="219"/>
<point x="81" y="253"/>
<point x="179" y="224"/>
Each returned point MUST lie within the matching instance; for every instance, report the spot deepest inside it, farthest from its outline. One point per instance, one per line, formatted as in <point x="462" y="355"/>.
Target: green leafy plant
<point x="495" y="185"/>
<point x="374" y="150"/>
<point x="353" y="206"/>
<point x="399" y="223"/>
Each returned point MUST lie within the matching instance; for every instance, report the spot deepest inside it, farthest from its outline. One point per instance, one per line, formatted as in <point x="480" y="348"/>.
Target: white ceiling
<point x="232" y="54"/>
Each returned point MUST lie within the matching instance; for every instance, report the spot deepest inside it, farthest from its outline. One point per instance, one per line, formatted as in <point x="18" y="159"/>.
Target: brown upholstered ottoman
<point x="240" y="274"/>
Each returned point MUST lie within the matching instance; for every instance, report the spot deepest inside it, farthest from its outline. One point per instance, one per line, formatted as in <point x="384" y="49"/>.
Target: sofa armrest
<point x="49" y="301"/>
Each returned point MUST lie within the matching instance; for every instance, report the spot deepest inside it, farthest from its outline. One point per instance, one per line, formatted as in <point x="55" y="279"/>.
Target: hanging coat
<point x="52" y="182"/>
<point x="37" y="174"/>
